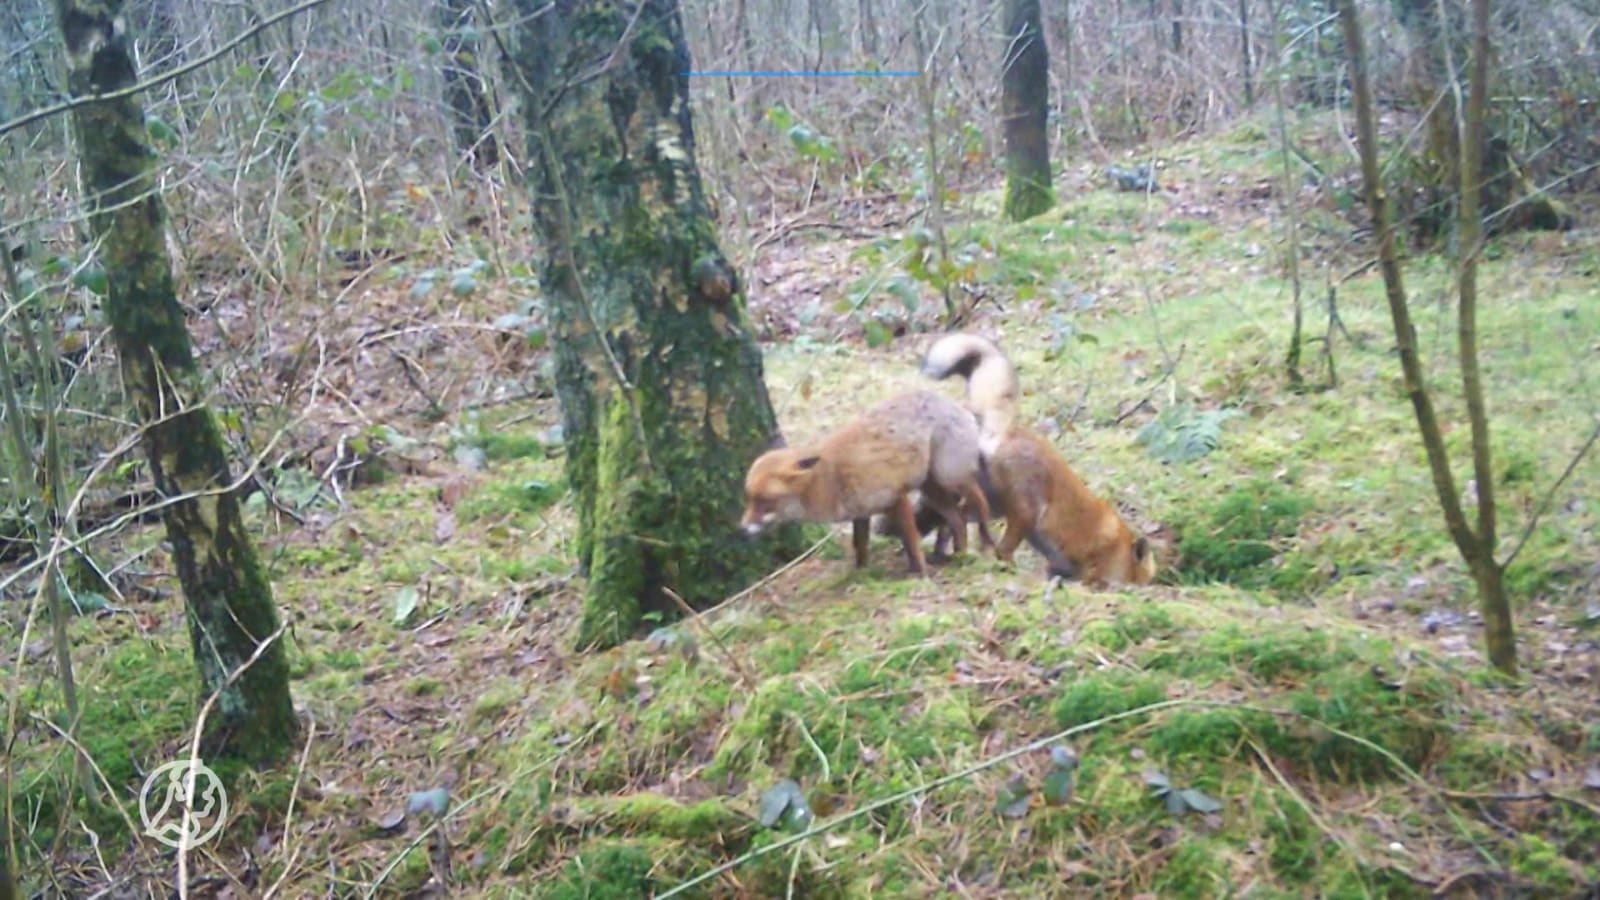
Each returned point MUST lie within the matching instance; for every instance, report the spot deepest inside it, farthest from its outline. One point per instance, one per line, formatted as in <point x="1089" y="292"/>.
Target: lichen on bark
<point x="227" y="595"/>
<point x="659" y="377"/>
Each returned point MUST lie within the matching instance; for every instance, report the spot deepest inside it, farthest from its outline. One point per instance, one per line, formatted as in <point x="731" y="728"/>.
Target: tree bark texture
<point x="659" y="377"/>
<point x="1486" y="570"/>
<point x="466" y="93"/>
<point x="1478" y="555"/>
<point x="1025" y="104"/>
<point x="229" y="601"/>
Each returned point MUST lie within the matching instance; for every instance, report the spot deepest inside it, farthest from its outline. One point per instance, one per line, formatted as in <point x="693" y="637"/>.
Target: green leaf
<point x="463" y="282"/>
<point x="421" y="288"/>
<point x="1157" y="781"/>
<point x="1011" y="800"/>
<point x="907" y="292"/>
<point x="94" y="278"/>
<point x="780" y="117"/>
<point x="90" y="602"/>
<point x="785" y="802"/>
<point x="405" y="603"/>
<point x="1175" y="804"/>
<point x="431" y="44"/>
<point x="434" y="802"/>
<point x="1062" y="757"/>
<point x="160" y="132"/>
<point x="1181" y="434"/>
<point x="1198" y="801"/>
<point x="1058" y="786"/>
<point x="876" y="333"/>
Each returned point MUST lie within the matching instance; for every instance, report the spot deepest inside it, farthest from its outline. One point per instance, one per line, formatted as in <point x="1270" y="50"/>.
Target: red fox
<point x="918" y="440"/>
<point x="1041" y="498"/>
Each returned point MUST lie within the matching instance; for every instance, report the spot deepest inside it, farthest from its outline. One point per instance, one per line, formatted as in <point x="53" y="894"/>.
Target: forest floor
<point x="1307" y="681"/>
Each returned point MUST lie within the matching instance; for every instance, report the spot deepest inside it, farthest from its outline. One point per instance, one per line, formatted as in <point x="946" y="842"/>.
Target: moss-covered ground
<point x="1310" y="660"/>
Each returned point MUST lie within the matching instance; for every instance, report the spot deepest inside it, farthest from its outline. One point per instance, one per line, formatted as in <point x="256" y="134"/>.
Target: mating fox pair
<point x="962" y="466"/>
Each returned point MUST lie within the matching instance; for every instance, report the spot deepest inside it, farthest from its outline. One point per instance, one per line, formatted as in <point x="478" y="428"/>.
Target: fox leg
<point x="907" y="514"/>
<point x="973" y="494"/>
<point x="947" y="520"/>
<point x="861" y="535"/>
<point x="1019" y="524"/>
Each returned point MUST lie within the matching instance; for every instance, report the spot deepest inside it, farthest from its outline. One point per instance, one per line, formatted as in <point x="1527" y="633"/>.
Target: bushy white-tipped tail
<point x="991" y="381"/>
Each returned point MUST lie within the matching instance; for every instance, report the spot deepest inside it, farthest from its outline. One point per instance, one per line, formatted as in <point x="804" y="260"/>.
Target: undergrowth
<point x="1307" y="663"/>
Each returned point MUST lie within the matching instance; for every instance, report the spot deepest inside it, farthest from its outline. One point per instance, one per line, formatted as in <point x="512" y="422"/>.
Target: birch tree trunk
<point x="658" y="374"/>
<point x="229" y="601"/>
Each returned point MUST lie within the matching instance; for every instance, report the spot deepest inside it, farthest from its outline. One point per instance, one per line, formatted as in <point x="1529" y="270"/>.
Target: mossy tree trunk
<point x="466" y="93"/>
<point x="659" y="377"/>
<point x="229" y="601"/>
<point x="1511" y="201"/>
<point x="1477" y="546"/>
<point x="1025" y="105"/>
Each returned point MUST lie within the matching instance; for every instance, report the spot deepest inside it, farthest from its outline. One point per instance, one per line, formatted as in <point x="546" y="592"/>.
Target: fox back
<point x="865" y="466"/>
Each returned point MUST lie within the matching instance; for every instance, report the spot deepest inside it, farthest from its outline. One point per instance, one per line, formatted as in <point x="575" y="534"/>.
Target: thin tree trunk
<point x="1478" y="555"/>
<point x="929" y="57"/>
<point x="466" y="93"/>
<point x="1025" y="107"/>
<point x="1291" y="205"/>
<point x="658" y="374"/>
<point x="1244" y="51"/>
<point x="1487" y="571"/>
<point x="229" y="600"/>
<point x="869" y="31"/>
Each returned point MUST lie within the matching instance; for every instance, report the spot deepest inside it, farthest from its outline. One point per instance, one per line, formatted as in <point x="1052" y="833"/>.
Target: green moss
<point x="1143" y="622"/>
<point x="497" y="698"/>
<point x="607" y="870"/>
<point x="1297" y="843"/>
<point x="1196" y="868"/>
<point x="424" y="686"/>
<point x="1236" y="537"/>
<point x="510" y="499"/>
<point x="1407" y="723"/>
<point x="654" y="814"/>
<point x="1270" y="653"/>
<point x="1537" y="861"/>
<point x="1208" y="733"/>
<point x="1105" y="694"/>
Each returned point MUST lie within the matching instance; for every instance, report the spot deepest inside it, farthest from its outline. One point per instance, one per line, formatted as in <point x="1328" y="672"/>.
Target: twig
<point x="689" y="614"/>
<point x="194" y="753"/>
<point x="1549" y="497"/>
<point x="169" y="75"/>
<point x="770" y="577"/>
<point x="1172" y="367"/>
<point x="288" y="816"/>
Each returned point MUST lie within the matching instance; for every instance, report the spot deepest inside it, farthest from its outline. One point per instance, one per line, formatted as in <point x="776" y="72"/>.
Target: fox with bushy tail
<point x="1043" y="501"/>
<point x="916" y="441"/>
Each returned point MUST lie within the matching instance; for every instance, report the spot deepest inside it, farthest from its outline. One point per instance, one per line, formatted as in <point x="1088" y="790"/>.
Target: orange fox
<point x="1042" y="499"/>
<point x="918" y="440"/>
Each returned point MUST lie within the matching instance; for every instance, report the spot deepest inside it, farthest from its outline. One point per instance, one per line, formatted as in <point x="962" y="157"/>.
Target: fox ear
<point x="1141" y="548"/>
<point x="808" y="462"/>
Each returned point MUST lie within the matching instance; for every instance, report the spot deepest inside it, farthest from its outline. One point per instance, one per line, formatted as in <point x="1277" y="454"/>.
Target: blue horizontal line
<point x="802" y="74"/>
